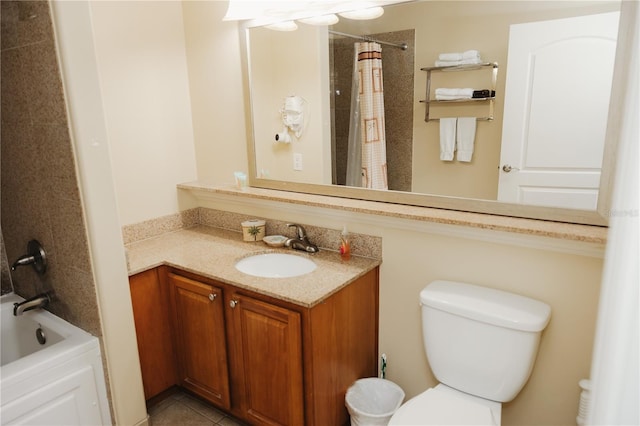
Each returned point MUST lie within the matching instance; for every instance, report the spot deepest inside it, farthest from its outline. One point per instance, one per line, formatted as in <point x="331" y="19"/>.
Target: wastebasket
<point x="372" y="401"/>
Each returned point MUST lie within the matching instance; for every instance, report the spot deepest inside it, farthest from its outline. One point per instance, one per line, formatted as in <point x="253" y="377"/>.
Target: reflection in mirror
<point x="317" y="66"/>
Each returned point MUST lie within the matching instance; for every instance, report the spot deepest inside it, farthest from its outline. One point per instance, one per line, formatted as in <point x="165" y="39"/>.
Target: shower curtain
<point x="367" y="152"/>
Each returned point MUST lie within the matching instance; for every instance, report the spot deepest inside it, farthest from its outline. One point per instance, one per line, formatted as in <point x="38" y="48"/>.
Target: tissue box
<point x="253" y="230"/>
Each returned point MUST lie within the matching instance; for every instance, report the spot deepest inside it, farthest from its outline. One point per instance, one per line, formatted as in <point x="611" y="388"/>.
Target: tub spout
<point x="39" y="301"/>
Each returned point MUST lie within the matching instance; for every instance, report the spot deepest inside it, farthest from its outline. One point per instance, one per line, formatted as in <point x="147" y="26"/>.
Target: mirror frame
<point x="598" y="217"/>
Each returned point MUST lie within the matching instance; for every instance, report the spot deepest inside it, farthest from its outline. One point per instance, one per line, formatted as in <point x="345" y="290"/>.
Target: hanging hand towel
<point x="447" y="138"/>
<point x="465" y="137"/>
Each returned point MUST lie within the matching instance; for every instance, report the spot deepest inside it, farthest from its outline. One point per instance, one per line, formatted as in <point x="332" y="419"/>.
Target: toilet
<point x="481" y="345"/>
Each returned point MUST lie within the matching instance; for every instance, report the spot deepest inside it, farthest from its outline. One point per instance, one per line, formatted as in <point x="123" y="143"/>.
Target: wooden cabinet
<point x="266" y="343"/>
<point x="340" y="341"/>
<point x="198" y="319"/>
<point x="149" y="297"/>
<point x="269" y="361"/>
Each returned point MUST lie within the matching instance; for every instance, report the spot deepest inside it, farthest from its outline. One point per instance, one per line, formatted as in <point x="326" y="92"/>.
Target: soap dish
<point x="275" y="240"/>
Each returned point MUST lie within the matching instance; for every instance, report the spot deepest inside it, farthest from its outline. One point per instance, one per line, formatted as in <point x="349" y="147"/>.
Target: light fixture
<point x="258" y="13"/>
<point x="283" y="26"/>
<point x="320" y="20"/>
<point x="362" y="14"/>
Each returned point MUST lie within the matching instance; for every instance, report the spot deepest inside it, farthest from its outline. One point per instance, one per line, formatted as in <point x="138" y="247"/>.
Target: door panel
<point x="269" y="353"/>
<point x="150" y="300"/>
<point x="559" y="76"/>
<point x="200" y="334"/>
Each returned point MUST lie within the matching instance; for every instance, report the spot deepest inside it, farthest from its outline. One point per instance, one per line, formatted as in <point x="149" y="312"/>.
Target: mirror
<point x="306" y="64"/>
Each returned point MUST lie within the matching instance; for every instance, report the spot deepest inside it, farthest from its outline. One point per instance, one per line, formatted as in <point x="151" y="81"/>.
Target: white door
<point x="558" y="84"/>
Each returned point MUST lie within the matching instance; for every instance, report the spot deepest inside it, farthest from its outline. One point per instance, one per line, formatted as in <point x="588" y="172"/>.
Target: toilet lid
<point x="434" y="407"/>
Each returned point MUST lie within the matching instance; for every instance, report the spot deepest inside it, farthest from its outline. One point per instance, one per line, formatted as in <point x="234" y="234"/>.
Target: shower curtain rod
<point x="402" y="46"/>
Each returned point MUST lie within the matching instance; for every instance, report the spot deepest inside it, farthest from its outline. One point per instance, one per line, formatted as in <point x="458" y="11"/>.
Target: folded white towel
<point x="470" y="61"/>
<point x="447" y="138"/>
<point x="450" y="56"/>
<point x="469" y="54"/>
<point x="465" y="137"/>
<point x="454" y="91"/>
<point x="450" y="94"/>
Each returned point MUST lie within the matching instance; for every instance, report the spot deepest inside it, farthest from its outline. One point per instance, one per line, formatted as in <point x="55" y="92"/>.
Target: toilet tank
<point x="479" y="340"/>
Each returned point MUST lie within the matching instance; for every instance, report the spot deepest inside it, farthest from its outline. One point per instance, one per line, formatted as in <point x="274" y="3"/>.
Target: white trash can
<point x="372" y="401"/>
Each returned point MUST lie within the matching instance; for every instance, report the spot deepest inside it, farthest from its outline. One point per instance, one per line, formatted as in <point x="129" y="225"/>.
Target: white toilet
<point x="481" y="345"/>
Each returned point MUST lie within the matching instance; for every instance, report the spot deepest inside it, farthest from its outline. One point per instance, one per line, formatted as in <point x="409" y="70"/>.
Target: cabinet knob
<point x="212" y="296"/>
<point x="233" y="303"/>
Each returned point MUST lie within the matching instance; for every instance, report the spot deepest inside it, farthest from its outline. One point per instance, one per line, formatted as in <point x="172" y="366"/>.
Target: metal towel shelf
<point x="494" y="76"/>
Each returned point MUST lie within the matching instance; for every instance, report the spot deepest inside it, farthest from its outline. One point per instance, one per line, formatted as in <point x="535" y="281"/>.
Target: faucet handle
<point x="35" y="257"/>
<point x="300" y="231"/>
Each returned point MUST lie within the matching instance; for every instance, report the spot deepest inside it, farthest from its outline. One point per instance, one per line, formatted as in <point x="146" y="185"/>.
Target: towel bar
<point x="477" y="119"/>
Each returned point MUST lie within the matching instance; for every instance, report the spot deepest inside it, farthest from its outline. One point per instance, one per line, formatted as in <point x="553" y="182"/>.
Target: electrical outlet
<point x="297" y="161"/>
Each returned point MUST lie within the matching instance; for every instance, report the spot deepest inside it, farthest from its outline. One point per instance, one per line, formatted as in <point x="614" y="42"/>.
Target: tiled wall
<point x="397" y="70"/>
<point x="40" y="194"/>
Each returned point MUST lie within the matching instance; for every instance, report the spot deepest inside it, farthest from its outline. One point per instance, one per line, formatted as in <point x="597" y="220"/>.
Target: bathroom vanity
<point x="267" y="350"/>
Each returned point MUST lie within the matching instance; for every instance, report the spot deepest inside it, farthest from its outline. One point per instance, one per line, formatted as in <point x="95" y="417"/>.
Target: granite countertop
<point x="213" y="252"/>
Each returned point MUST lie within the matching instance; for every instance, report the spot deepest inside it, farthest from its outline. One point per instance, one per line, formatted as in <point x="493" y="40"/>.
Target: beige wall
<point x="140" y="49"/>
<point x="216" y="90"/>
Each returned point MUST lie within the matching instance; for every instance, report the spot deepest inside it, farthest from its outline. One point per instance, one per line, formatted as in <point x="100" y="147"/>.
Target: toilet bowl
<point x="445" y="406"/>
<point x="481" y="344"/>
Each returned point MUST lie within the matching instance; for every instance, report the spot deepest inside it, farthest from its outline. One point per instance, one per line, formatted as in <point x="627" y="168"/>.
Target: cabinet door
<point x="267" y="359"/>
<point x="200" y="338"/>
<point x="150" y="301"/>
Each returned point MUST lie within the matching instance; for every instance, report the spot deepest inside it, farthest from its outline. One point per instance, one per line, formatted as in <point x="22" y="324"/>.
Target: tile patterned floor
<point x="181" y="409"/>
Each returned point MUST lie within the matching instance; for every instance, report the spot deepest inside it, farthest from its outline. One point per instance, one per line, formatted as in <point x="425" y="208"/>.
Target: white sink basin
<point x="275" y="265"/>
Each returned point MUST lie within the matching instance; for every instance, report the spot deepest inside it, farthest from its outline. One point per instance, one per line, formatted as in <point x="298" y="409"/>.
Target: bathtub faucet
<point x="38" y="301"/>
<point x="35" y="257"/>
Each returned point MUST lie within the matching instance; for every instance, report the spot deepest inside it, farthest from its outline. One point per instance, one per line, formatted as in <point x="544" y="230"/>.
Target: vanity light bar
<point x="259" y="13"/>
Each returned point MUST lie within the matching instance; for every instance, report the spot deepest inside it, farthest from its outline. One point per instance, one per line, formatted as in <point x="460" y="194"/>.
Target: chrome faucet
<point x="39" y="301"/>
<point x="302" y="241"/>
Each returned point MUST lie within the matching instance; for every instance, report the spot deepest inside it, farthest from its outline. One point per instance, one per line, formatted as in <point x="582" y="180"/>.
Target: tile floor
<point x="181" y="409"/>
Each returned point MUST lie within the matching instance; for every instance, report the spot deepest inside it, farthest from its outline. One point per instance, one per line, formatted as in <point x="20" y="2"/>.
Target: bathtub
<point x="51" y="371"/>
